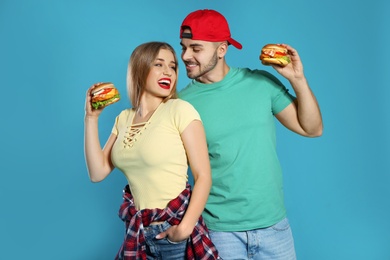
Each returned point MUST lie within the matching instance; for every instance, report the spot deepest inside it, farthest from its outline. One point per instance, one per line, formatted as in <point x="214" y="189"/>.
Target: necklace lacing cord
<point x="130" y="136"/>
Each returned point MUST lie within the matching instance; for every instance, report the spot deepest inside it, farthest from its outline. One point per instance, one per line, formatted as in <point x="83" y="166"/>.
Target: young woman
<point x="152" y="143"/>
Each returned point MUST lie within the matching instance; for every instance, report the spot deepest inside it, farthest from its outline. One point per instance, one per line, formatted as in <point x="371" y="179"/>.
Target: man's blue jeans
<point x="275" y="242"/>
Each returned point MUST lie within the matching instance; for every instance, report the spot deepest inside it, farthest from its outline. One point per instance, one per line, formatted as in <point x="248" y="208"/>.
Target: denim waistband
<point x="157" y="227"/>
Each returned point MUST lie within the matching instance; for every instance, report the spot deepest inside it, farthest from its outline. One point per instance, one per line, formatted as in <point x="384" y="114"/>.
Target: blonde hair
<point x="140" y="63"/>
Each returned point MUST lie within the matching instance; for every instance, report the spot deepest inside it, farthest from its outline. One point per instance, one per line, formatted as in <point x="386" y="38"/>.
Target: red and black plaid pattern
<point x="199" y="245"/>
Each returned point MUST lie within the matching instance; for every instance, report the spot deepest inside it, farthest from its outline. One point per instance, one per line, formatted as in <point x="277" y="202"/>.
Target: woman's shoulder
<point x="178" y="103"/>
<point x="125" y="113"/>
<point x="180" y="106"/>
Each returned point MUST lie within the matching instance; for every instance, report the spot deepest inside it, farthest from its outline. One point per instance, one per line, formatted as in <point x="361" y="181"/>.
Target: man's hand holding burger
<point x="290" y="67"/>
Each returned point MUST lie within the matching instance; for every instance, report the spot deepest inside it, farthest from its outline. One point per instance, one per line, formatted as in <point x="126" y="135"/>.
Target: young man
<point x="245" y="211"/>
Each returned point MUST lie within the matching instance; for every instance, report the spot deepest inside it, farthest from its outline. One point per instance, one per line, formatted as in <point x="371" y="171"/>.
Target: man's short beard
<point x="209" y="67"/>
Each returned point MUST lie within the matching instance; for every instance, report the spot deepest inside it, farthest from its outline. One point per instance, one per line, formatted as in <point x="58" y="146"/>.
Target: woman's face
<point x="162" y="75"/>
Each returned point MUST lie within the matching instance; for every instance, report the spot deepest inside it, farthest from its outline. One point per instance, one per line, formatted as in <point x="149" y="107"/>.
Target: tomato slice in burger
<point x="280" y="53"/>
<point x="106" y="90"/>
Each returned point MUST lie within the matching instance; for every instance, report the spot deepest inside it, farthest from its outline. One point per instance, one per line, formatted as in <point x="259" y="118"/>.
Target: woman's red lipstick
<point x="165" y="83"/>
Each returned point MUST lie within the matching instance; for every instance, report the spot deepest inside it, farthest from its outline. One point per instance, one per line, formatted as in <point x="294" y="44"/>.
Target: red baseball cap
<point x="208" y="25"/>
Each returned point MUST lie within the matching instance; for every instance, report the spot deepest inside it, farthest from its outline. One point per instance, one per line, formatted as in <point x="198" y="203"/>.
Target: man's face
<point x="199" y="57"/>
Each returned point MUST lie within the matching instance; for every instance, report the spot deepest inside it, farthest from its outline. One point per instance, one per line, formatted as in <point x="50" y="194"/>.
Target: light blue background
<point x="336" y="186"/>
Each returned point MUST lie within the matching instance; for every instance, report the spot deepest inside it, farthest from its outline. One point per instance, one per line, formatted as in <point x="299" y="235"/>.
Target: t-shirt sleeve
<point x="120" y="119"/>
<point x="115" y="127"/>
<point x="281" y="100"/>
<point x="280" y="95"/>
<point x="184" y="114"/>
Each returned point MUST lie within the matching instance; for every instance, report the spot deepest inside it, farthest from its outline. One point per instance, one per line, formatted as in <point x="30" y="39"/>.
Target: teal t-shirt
<point x="238" y="116"/>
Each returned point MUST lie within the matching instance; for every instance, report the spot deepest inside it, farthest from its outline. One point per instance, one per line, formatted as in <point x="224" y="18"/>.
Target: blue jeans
<point x="163" y="248"/>
<point x="275" y="242"/>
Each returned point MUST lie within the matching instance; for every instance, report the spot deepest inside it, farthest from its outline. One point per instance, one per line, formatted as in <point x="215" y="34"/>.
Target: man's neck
<point x="216" y="75"/>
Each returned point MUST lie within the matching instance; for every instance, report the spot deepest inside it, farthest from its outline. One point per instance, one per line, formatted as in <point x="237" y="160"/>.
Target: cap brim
<point x="235" y="43"/>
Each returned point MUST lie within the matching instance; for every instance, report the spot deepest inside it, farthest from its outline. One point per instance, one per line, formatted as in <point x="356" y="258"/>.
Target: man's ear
<point x="222" y="49"/>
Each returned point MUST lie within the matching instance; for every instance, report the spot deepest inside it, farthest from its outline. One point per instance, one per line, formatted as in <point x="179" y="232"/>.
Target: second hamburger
<point x="273" y="54"/>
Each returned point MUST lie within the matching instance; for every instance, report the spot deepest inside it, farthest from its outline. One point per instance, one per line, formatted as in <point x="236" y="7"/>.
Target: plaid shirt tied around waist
<point x="199" y="245"/>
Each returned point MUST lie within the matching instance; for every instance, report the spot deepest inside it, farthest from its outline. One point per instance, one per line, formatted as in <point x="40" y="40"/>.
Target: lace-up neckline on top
<point x="134" y="130"/>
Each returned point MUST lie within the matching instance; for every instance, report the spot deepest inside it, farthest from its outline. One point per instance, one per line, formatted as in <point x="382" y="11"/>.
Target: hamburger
<point x="273" y="54"/>
<point x="103" y="95"/>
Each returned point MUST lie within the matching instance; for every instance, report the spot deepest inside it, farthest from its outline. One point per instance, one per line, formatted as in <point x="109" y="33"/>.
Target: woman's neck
<point x="146" y="109"/>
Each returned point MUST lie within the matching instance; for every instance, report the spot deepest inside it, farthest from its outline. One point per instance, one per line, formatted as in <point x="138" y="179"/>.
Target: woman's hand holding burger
<point x="89" y="111"/>
<point x="100" y="95"/>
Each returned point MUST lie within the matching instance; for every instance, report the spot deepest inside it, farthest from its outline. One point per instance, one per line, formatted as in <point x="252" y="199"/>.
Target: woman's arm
<point x="97" y="159"/>
<point x="194" y="140"/>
